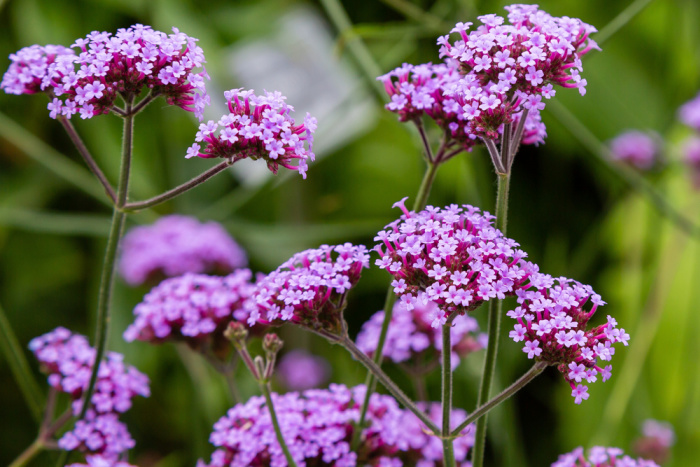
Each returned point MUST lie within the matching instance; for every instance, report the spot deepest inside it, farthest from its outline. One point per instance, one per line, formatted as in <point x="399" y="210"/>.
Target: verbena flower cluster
<point x="551" y="321"/>
<point x="656" y="441"/>
<point x="194" y="308"/>
<point x="257" y="127"/>
<point x="453" y="256"/>
<point x="101" y="461"/>
<point x="318" y="425"/>
<point x="104" y="66"/>
<point x="175" y="245"/>
<point x="309" y="288"/>
<point x="689" y="113"/>
<point x="411" y="339"/>
<point x="68" y="359"/>
<point x="299" y="370"/>
<point x="510" y="67"/>
<point x="600" y="457"/>
<point x="635" y="148"/>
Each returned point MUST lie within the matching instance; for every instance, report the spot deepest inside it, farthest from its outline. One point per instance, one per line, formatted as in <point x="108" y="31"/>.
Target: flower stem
<point x="447" y="445"/>
<point x="482" y="410"/>
<point x="386" y="382"/>
<point x="20" y="368"/>
<point x="494" y="324"/>
<point x="170" y="194"/>
<point x="28" y="454"/>
<point x="265" y="387"/>
<point x="87" y="157"/>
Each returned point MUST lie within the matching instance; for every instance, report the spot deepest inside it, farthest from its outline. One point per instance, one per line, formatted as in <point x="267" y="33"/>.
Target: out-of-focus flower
<point x="257" y="127"/>
<point x="299" y="370"/>
<point x="101" y="461"/>
<point x="193" y="308"/>
<point x="68" y="359"/>
<point x="600" y="457"/>
<point x="656" y="441"/>
<point x="317" y="426"/>
<point x="309" y="289"/>
<point x="453" y="256"/>
<point x="551" y="321"/>
<point x="635" y="148"/>
<point x="105" y="66"/>
<point x="413" y="341"/>
<point x="689" y="113"/>
<point x="175" y="245"/>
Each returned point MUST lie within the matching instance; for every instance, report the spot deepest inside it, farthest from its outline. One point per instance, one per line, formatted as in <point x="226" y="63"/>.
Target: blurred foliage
<point x="570" y="209"/>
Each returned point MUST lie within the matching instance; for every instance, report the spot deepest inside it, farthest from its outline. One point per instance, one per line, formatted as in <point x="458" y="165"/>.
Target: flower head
<point x="105" y="66"/>
<point x="507" y="68"/>
<point x="68" y="359"/>
<point x="552" y="319"/>
<point x="635" y="148"/>
<point x="309" y="288"/>
<point x="656" y="441"/>
<point x="299" y="370"/>
<point x="453" y="256"/>
<point x="599" y="456"/>
<point x="258" y="127"/>
<point x="175" y="245"/>
<point x="689" y="113"/>
<point x="317" y="426"/>
<point x="29" y="66"/>
<point x="101" y="461"/>
<point x="194" y="308"/>
<point x="413" y="341"/>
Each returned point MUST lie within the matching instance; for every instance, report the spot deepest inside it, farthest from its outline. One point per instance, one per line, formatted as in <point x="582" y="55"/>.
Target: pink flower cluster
<point x="107" y="66"/>
<point x="511" y="67"/>
<point x="552" y="320"/>
<point x="689" y="113"/>
<point x="309" y="288"/>
<point x="452" y="256"/>
<point x="68" y="359"/>
<point x="175" y="245"/>
<point x="28" y="67"/>
<point x="599" y="456"/>
<point x="299" y="370"/>
<point x="257" y="127"/>
<point x="317" y="426"/>
<point x="101" y="461"/>
<point x="194" y="308"/>
<point x="412" y="340"/>
<point x="635" y="148"/>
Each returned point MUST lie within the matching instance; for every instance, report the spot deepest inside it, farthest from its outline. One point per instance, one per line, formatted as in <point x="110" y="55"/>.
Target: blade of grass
<point x="415" y="13"/>
<point x="621" y="20"/>
<point x="51" y="159"/>
<point x="628" y="175"/>
<point x="20" y="368"/>
<point x="93" y="225"/>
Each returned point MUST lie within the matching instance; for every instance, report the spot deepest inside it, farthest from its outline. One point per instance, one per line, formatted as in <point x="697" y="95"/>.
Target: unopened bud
<point x="272" y="344"/>
<point x="236" y="333"/>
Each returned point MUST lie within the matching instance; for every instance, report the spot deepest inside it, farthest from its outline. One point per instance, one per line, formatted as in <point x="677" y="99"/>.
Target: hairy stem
<point x="483" y="409"/>
<point x="447" y="444"/>
<point x="494" y="324"/>
<point x="170" y="194"/>
<point x="265" y="387"/>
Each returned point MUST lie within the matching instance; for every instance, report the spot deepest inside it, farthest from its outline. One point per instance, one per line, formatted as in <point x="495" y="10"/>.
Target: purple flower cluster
<point x="309" y="288"/>
<point x="635" y="148"/>
<point x="106" y="66"/>
<point x="600" y="457"/>
<point x="453" y="256"/>
<point x="68" y="359"/>
<point x="689" y="113"/>
<point x="551" y="321"/>
<point x="508" y="68"/>
<point x="194" y="308"/>
<point x="175" y="245"/>
<point x="29" y="66"/>
<point x="656" y="441"/>
<point x="317" y="426"/>
<point x="257" y="127"/>
<point x="101" y="461"/>
<point x="412" y="340"/>
<point x="299" y="370"/>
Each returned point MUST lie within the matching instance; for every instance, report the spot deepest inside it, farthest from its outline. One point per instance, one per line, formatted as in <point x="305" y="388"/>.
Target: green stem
<point x="494" y="324"/>
<point x="35" y="448"/>
<point x="20" y="368"/>
<point x="447" y="444"/>
<point x="370" y="381"/>
<point x="387" y="382"/>
<point x="482" y="410"/>
<point x="170" y="194"/>
<point x="265" y="387"/>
